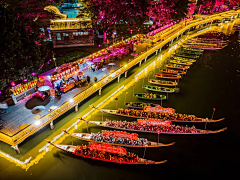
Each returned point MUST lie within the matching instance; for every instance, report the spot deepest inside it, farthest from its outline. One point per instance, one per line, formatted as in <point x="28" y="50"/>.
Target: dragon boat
<point x="169" y="71"/>
<point x="167" y="76"/>
<point x="162" y="89"/>
<point x="150" y="96"/>
<point x="126" y="139"/>
<point x="163" y="83"/>
<point x="177" y="66"/>
<point x="139" y="105"/>
<point x="159" y="113"/>
<point x="105" y="152"/>
<point x="156" y="127"/>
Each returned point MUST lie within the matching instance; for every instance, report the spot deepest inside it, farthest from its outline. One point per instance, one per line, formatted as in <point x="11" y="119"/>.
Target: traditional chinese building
<point x="70" y="32"/>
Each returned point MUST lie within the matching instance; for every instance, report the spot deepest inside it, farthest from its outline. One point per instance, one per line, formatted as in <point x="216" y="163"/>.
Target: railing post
<point x="145" y="60"/>
<point x="119" y="78"/>
<point x="76" y="108"/>
<point x="51" y="125"/>
<point x="125" y="74"/>
<point x="140" y="63"/>
<point x="156" y="52"/>
<point x="100" y="91"/>
<point x="16" y="149"/>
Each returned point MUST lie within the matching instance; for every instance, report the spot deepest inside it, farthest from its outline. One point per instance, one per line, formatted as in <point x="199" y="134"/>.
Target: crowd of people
<point x="86" y="151"/>
<point x="152" y="128"/>
<point x="157" y="115"/>
<point x="119" y="140"/>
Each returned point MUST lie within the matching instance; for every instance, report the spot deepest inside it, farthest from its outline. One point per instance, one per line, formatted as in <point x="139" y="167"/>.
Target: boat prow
<point x="219" y="120"/>
<point x="161" y="162"/>
<point x="67" y="148"/>
<point x="220" y="130"/>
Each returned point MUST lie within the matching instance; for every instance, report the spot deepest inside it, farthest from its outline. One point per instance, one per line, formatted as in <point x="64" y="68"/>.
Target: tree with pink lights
<point x="165" y="11"/>
<point x="107" y="14"/>
<point x="210" y="6"/>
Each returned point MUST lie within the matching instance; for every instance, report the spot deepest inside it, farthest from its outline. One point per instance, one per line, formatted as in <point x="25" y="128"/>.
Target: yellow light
<point x="37" y="123"/>
<point x="71" y="100"/>
<point x="95" y="84"/>
<point x="126" y="65"/>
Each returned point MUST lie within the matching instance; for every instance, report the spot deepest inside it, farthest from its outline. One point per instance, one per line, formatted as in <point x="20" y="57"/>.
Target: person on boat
<point x="151" y="95"/>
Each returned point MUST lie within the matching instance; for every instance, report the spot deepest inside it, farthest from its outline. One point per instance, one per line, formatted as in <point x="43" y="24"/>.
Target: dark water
<point x="213" y="82"/>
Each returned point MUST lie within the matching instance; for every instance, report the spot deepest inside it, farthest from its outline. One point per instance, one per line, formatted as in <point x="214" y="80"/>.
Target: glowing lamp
<point x="13" y="84"/>
<point x="71" y="100"/>
<point x="37" y="123"/>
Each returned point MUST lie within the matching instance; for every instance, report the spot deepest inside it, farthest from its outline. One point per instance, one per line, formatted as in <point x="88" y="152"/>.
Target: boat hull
<point x="200" y="120"/>
<point x="177" y="67"/>
<point x="172" y="71"/>
<point x="159" y="89"/>
<point x="158" y="82"/>
<point x="155" y="132"/>
<point x="137" y="107"/>
<point x="181" y="62"/>
<point x="140" y="162"/>
<point x="141" y="96"/>
<point x="163" y="76"/>
<point x="153" y="144"/>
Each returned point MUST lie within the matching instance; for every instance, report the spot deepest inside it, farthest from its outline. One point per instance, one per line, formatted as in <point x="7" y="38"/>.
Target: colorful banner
<point x="107" y="148"/>
<point x="154" y="122"/>
<point x="159" y="109"/>
<point x="120" y="134"/>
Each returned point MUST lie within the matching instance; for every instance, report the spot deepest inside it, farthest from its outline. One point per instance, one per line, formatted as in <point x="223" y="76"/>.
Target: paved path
<point x="18" y="115"/>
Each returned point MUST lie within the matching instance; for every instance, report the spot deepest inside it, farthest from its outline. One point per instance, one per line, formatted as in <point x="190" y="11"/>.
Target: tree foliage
<point x="111" y="13"/>
<point x="22" y="50"/>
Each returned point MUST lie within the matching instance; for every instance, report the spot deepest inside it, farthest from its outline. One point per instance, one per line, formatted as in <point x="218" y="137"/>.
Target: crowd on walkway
<point x="86" y="151"/>
<point x="119" y="140"/>
<point x="156" y="115"/>
<point x="151" y="128"/>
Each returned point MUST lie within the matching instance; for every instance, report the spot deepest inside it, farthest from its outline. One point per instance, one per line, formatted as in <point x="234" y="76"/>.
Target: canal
<point x="212" y="82"/>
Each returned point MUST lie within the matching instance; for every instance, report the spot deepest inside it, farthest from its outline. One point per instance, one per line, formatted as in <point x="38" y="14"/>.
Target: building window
<point x="58" y="35"/>
<point x="65" y="34"/>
